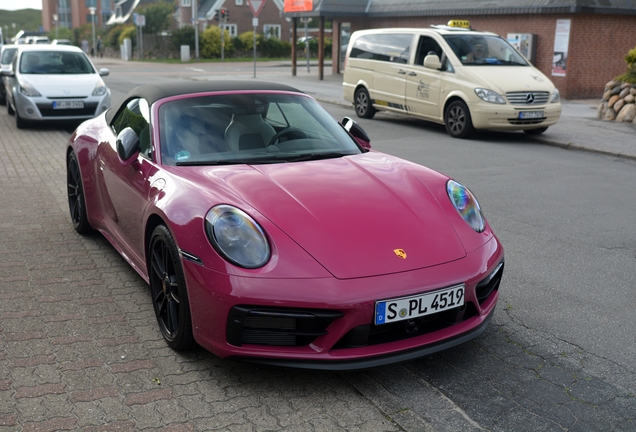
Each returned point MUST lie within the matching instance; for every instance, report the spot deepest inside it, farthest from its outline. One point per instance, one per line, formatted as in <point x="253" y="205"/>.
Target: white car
<point x="54" y="83"/>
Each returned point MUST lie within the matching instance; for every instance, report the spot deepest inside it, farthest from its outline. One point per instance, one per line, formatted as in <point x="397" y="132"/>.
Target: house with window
<point x="238" y="16"/>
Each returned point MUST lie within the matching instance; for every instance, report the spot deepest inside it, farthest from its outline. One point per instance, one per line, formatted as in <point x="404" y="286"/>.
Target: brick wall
<point x="597" y="47"/>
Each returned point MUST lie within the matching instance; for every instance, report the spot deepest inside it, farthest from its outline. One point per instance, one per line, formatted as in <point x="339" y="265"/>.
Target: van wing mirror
<point x="432" y="61"/>
<point x="357" y="132"/>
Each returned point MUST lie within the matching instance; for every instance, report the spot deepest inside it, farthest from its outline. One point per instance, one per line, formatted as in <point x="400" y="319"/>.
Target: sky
<point x="20" y="4"/>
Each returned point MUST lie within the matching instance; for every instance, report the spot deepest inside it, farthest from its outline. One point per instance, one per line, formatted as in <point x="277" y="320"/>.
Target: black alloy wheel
<point x="457" y="120"/>
<point x="362" y="103"/>
<point x="168" y="290"/>
<point x="76" y="200"/>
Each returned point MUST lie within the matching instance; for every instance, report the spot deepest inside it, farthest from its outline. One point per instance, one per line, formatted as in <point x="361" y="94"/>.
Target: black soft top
<point x="155" y="92"/>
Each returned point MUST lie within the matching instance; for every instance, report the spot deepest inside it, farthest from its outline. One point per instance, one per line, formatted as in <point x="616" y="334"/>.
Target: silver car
<point x="54" y="82"/>
<point x="6" y="57"/>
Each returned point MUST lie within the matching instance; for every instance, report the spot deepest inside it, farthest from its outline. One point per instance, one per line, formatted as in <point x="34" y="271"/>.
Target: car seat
<point x="248" y="131"/>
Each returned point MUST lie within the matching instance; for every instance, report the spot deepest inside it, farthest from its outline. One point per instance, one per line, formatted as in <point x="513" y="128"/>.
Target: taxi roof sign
<point x="459" y="23"/>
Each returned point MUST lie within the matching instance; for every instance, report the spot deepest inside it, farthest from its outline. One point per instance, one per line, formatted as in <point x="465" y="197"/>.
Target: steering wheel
<point x="288" y="131"/>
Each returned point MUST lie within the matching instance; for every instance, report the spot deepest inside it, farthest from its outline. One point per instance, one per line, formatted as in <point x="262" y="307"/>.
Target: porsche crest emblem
<point x="400" y="253"/>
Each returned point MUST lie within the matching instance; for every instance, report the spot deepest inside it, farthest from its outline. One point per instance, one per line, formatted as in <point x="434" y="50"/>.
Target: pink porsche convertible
<point x="270" y="232"/>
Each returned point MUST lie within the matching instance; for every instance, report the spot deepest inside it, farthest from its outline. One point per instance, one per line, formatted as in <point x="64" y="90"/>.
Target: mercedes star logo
<point x="529" y="98"/>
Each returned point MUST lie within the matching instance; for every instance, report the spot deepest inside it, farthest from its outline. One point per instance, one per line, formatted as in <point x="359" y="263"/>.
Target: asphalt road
<point x="559" y="354"/>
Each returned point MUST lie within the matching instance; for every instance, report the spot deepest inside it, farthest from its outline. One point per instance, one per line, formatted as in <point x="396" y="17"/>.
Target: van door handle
<point x="412" y="73"/>
<point x="401" y="72"/>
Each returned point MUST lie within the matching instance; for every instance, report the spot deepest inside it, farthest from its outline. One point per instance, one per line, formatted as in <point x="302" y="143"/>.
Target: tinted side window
<point x="135" y="115"/>
<point x="394" y="48"/>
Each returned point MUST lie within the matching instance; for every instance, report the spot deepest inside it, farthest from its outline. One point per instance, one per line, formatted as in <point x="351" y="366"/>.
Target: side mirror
<point x="7" y="72"/>
<point x="431" y="61"/>
<point x="127" y="146"/>
<point x="357" y="132"/>
<point x="104" y="72"/>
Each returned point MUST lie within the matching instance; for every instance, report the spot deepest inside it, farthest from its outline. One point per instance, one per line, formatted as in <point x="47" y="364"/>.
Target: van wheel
<point x="362" y="103"/>
<point x="457" y="120"/>
<point x="535" y="131"/>
<point x="9" y="108"/>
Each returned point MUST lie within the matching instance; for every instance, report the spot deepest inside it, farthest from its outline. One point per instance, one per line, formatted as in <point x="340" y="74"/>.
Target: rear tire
<point x="362" y="104"/>
<point x="458" y="121"/>
<point x="538" y="131"/>
<point x="76" y="200"/>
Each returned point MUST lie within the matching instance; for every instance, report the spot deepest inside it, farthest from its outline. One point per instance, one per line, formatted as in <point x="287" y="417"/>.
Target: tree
<point x="158" y="16"/>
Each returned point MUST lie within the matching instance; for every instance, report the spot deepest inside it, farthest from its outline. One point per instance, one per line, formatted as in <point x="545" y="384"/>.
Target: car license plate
<point x="68" y="104"/>
<point x="387" y="311"/>
<point x="530" y="114"/>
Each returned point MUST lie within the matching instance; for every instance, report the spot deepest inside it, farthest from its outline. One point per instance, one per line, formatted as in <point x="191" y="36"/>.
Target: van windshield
<point x="484" y="50"/>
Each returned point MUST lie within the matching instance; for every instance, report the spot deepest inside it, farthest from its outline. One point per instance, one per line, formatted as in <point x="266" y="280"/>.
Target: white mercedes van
<point x="448" y="74"/>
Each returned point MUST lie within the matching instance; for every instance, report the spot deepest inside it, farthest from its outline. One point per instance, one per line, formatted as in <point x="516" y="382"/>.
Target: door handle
<point x="401" y="72"/>
<point x="412" y="74"/>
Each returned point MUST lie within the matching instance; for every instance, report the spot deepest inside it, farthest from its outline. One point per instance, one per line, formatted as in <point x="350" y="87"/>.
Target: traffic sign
<point x="256" y="6"/>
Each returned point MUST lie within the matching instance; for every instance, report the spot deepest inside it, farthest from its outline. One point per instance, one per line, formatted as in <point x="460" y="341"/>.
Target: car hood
<point x="357" y="216"/>
<point x="503" y="79"/>
<point x="51" y="86"/>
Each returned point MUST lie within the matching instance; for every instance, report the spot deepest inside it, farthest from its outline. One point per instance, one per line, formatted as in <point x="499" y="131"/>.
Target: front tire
<point x="168" y="290"/>
<point x="19" y="121"/>
<point x="362" y="104"/>
<point x="9" y="108"/>
<point x="76" y="200"/>
<point x="458" y="121"/>
<point x="538" y="131"/>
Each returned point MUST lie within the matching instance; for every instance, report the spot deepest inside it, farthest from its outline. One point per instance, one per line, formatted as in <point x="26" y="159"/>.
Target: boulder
<point x="616" y="90"/>
<point x="633" y="91"/>
<point x="627" y="114"/>
<point x="607" y="95"/>
<point x="613" y="100"/>
<point x="610" y="115"/>
<point x="600" y="112"/>
<point x="618" y="105"/>
<point x="609" y="85"/>
<point x="625" y="92"/>
<point x="629" y="98"/>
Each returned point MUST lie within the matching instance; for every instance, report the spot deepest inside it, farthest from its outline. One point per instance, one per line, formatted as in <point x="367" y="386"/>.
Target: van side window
<point x="424" y="47"/>
<point x="393" y="48"/>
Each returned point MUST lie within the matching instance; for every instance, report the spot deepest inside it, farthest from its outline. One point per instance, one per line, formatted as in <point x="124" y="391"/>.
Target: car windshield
<point x="249" y="128"/>
<point x="484" y="50"/>
<point x="55" y="62"/>
<point x="7" y="55"/>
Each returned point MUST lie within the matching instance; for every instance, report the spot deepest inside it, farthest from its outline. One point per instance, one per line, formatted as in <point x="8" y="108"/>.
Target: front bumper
<point x="41" y="108"/>
<point x="348" y="340"/>
<point x="506" y="117"/>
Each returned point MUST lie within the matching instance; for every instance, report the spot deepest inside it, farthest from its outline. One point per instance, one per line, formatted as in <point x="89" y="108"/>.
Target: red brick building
<point x="591" y="52"/>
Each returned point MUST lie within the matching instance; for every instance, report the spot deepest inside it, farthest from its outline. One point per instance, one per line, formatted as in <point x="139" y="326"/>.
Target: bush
<point x="630" y="75"/>
<point x="129" y="32"/>
<point x="247" y="40"/>
<point x="183" y="36"/>
<point x="210" y="42"/>
<point x="112" y="37"/>
<point x="273" y="47"/>
<point x="313" y="47"/>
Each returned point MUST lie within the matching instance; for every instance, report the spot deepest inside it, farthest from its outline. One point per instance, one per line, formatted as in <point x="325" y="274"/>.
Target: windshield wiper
<point x="318" y="156"/>
<point x="212" y="162"/>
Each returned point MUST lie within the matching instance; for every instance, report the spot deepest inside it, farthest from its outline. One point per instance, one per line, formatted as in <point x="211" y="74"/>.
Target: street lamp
<point x="55" y="17"/>
<point x="92" y="10"/>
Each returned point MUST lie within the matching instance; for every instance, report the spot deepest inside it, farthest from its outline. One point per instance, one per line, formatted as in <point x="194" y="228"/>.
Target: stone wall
<point x="618" y="103"/>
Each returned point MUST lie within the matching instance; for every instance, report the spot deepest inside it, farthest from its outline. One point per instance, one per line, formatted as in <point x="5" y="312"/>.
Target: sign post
<point x="256" y="6"/>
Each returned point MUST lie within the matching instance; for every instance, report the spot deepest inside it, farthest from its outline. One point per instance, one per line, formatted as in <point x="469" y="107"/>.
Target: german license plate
<point x="404" y="308"/>
<point x="530" y="114"/>
<point x="68" y="104"/>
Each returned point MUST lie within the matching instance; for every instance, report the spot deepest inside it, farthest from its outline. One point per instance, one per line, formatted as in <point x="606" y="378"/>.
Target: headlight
<point x="490" y="96"/>
<point x="100" y="88"/>
<point x="237" y="237"/>
<point x="466" y="204"/>
<point x="556" y="96"/>
<point x="28" y="90"/>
